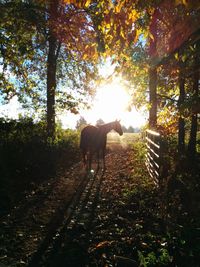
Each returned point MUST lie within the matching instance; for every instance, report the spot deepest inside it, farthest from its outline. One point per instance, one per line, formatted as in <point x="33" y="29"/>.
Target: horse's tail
<point x="83" y="141"/>
<point x="81" y="145"/>
<point x="87" y="136"/>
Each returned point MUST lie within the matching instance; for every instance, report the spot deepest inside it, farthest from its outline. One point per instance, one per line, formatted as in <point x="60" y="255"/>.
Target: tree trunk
<point x="153" y="97"/>
<point x="194" y="122"/>
<point x="153" y="70"/>
<point x="51" y="71"/>
<point x="193" y="136"/>
<point x="51" y="87"/>
<point x="181" y="122"/>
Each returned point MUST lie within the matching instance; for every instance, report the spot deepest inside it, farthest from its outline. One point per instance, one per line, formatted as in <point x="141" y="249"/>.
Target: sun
<point x="111" y="102"/>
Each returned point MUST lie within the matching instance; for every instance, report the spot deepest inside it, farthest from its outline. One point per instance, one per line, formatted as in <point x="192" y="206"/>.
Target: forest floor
<point x="104" y="218"/>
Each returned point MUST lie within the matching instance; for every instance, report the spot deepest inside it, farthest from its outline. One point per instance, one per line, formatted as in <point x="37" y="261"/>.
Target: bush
<point x="26" y="157"/>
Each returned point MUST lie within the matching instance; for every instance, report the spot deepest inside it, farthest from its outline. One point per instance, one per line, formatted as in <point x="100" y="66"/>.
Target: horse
<point x="93" y="140"/>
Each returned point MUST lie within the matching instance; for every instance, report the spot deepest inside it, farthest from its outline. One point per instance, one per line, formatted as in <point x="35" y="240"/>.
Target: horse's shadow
<point x="57" y="256"/>
<point x="95" y="172"/>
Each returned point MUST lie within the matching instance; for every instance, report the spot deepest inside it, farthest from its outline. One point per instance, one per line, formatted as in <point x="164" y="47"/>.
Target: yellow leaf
<point x="117" y="9"/>
<point x="184" y="57"/>
<point x="192" y="48"/>
<point x="122" y="33"/>
<point x="151" y="36"/>
<point x="176" y="56"/>
<point x="87" y="3"/>
<point x="85" y="56"/>
<point x="151" y="10"/>
<point x="185" y="2"/>
<point x="108" y="25"/>
<point x="181" y="2"/>
<point x="178" y="2"/>
<point x="132" y="15"/>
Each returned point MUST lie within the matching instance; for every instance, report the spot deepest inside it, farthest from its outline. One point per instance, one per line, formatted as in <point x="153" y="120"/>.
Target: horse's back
<point x="88" y="136"/>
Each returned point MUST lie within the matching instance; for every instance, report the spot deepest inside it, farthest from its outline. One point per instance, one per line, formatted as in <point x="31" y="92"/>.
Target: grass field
<point x="125" y="140"/>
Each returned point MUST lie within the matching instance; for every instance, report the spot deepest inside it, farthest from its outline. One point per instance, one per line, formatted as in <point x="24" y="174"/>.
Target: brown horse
<point x="93" y="140"/>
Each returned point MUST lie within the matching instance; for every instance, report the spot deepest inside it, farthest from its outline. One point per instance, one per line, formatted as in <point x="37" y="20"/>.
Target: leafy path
<point x="110" y="218"/>
<point x="96" y="224"/>
<point x="32" y="220"/>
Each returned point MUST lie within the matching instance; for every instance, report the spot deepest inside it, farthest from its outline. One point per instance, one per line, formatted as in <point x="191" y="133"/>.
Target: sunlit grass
<point x="125" y="138"/>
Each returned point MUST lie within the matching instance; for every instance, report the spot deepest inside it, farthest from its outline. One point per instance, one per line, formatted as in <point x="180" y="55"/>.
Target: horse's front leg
<point x="84" y="155"/>
<point x="90" y="160"/>
<point x="98" y="159"/>
<point x="84" y="159"/>
<point x="103" y="158"/>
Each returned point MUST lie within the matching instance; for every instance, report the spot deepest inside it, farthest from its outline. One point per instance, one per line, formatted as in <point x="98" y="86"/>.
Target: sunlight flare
<point x="112" y="102"/>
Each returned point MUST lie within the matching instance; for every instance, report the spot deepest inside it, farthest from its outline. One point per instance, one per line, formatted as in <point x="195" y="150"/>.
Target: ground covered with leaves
<point x="116" y="217"/>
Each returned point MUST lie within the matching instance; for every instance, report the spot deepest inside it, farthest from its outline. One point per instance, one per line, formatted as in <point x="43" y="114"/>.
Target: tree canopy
<point x="40" y="42"/>
<point x="50" y="50"/>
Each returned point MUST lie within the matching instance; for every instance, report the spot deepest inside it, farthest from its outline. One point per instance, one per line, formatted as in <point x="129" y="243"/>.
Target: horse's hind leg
<point x="103" y="158"/>
<point x="97" y="160"/>
<point x="90" y="160"/>
<point x="84" y="157"/>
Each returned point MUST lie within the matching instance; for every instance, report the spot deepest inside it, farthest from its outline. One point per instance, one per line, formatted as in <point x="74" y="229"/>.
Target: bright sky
<point x="12" y="109"/>
<point x="111" y="103"/>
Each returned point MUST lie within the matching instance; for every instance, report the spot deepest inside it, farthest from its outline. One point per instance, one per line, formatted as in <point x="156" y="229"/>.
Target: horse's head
<point x="117" y="127"/>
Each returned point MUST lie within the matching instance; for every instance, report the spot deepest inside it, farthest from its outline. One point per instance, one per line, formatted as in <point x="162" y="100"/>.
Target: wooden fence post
<point x="153" y="97"/>
<point x="153" y="157"/>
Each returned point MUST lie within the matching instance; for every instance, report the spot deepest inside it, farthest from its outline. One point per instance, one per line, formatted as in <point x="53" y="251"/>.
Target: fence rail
<point x="153" y="156"/>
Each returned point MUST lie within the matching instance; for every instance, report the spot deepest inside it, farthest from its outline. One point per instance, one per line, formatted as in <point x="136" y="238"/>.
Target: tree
<point x="53" y="52"/>
<point x="168" y="41"/>
<point x="195" y="95"/>
<point x="124" y="129"/>
<point x="130" y="129"/>
<point x="65" y="39"/>
<point x="57" y="39"/>
<point x="47" y="44"/>
<point x="153" y="97"/>
<point x="81" y="123"/>
<point x="124" y="30"/>
<point x="99" y="122"/>
<point x="181" y="120"/>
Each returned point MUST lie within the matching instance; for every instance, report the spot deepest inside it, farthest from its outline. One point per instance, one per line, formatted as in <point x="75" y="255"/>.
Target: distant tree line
<point x="82" y="122"/>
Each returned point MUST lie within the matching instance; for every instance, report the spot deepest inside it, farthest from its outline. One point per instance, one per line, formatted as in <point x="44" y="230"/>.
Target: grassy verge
<point x="166" y="231"/>
<point x="27" y="159"/>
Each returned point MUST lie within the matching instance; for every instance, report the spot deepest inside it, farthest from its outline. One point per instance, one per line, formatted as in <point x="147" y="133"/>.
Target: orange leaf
<point x="103" y="244"/>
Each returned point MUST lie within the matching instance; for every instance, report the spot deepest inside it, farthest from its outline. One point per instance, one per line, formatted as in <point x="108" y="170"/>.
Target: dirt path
<point x="75" y="220"/>
<point x="75" y="243"/>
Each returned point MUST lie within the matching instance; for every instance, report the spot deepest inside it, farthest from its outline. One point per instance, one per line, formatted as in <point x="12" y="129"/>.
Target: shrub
<point x="26" y="157"/>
